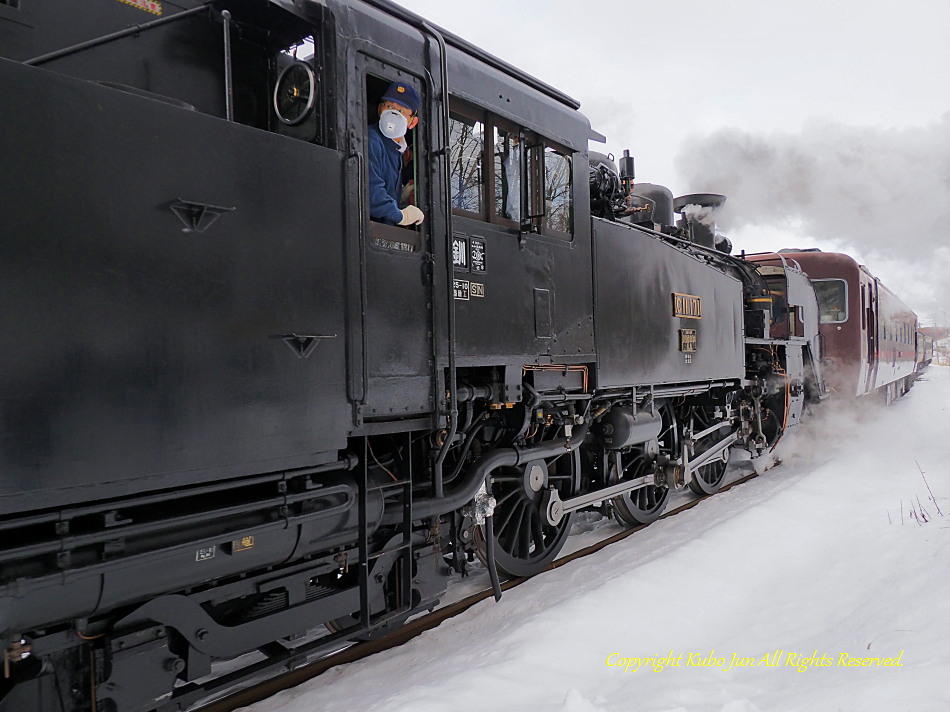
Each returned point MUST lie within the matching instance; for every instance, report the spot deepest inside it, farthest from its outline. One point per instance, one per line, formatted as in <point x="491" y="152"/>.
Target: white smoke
<point x="882" y="194"/>
<point x="706" y="216"/>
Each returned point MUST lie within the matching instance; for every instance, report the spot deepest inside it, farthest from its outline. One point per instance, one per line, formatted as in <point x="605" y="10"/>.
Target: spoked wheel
<point x="646" y="504"/>
<point x="707" y="479"/>
<point x="524" y="542"/>
<point x="641" y="506"/>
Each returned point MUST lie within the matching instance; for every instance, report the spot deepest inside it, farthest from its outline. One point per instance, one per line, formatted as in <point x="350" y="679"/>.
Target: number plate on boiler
<point x="687" y="306"/>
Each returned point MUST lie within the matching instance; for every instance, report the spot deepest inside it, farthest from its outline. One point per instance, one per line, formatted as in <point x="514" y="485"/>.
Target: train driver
<point x="398" y="113"/>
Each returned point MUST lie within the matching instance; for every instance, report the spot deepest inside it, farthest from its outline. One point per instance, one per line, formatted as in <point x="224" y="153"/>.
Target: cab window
<point x="503" y="173"/>
<point x="467" y="148"/>
<point x="558" y="214"/>
<point x="412" y="192"/>
<point x="507" y="175"/>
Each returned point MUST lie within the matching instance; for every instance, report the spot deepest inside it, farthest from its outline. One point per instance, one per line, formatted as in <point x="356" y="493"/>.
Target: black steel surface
<point x="537" y="303"/>
<point x="144" y="355"/>
<point x="638" y="337"/>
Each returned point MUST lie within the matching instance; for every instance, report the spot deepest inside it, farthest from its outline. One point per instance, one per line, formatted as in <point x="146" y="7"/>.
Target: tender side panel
<point x="140" y="356"/>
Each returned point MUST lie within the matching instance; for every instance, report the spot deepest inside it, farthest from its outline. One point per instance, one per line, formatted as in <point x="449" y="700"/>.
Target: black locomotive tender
<point x="239" y="416"/>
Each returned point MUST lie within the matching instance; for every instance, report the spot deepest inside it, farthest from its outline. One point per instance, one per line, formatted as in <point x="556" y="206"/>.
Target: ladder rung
<point x="388" y="486"/>
<point x="390" y="550"/>
<point x="388" y="616"/>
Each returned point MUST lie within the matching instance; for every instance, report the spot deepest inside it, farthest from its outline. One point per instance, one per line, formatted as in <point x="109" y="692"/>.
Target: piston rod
<point x="712" y="453"/>
<point x="555" y="508"/>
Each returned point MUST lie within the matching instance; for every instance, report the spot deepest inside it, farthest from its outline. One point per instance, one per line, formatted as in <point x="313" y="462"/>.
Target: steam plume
<point x="880" y="194"/>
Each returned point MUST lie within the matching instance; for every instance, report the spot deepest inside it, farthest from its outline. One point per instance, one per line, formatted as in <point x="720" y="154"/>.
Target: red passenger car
<point x="869" y="335"/>
<point x="925" y="350"/>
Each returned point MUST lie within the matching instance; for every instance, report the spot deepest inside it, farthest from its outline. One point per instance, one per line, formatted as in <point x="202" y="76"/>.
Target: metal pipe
<point x="490" y="555"/>
<point x="105" y="39"/>
<point x="468" y="487"/>
<point x="183" y="522"/>
<point x="451" y="385"/>
<point x="348" y="461"/>
<point x="228" y="81"/>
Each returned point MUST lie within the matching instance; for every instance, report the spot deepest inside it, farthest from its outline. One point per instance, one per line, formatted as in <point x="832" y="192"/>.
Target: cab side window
<point x="387" y="183"/>
<point x="505" y="174"/>
<point x="549" y="209"/>
<point x="466" y="154"/>
<point x="558" y="208"/>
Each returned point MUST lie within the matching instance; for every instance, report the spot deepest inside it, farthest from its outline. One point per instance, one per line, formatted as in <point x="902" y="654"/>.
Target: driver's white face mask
<point x="393" y="124"/>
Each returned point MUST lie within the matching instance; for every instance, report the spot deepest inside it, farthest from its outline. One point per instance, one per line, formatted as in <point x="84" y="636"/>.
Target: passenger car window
<point x="832" y="300"/>
<point x="466" y="142"/>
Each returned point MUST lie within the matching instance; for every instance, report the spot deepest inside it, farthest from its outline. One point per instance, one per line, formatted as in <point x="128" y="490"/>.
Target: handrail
<point x="451" y="385"/>
<point x="105" y="39"/>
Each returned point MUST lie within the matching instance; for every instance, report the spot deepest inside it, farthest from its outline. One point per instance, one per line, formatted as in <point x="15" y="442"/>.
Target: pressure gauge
<point x="294" y="93"/>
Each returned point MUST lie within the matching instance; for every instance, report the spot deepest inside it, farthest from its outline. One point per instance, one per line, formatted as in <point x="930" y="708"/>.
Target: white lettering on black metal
<point x="477" y="254"/>
<point x="459" y="252"/>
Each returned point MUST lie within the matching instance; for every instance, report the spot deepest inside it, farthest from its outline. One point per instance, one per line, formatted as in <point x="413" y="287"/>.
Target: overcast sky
<point x="827" y="123"/>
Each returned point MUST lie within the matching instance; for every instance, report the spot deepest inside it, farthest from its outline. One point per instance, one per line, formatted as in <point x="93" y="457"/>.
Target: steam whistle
<point x="626" y="172"/>
<point x="633" y="204"/>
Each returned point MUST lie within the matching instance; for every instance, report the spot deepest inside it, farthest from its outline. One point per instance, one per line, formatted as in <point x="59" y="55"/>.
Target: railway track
<point x="417" y="626"/>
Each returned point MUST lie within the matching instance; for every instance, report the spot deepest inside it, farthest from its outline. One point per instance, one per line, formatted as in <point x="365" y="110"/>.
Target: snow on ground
<point x="819" y="562"/>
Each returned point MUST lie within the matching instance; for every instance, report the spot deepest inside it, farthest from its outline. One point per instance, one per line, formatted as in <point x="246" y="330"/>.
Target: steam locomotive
<point x="239" y="416"/>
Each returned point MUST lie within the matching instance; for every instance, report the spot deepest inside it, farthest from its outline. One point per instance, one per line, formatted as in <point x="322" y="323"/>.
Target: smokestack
<point x="699" y="219"/>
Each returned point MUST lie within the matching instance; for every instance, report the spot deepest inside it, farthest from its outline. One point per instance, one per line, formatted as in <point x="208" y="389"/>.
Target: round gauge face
<point x="294" y="93"/>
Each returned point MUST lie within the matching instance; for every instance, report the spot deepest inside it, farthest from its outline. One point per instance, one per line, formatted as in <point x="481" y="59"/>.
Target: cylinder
<point x="620" y="428"/>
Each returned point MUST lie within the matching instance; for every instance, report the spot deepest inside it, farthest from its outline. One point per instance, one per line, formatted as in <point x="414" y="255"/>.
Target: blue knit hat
<point x="404" y="95"/>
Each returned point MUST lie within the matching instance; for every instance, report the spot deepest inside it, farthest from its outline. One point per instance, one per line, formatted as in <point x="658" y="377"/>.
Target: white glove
<point x="411" y="215"/>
